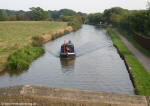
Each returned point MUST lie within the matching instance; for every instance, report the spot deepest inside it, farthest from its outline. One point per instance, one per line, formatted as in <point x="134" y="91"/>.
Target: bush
<point x="66" y="31"/>
<point x="76" y="22"/>
<point x="36" y="41"/>
<point x="54" y="36"/>
<point x="21" y="59"/>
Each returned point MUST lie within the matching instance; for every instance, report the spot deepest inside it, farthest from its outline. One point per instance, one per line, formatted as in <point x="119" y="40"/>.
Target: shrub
<point x="21" y="59"/>
<point x="66" y="31"/>
<point x="54" y="36"/>
<point x="76" y="22"/>
<point x="36" y="41"/>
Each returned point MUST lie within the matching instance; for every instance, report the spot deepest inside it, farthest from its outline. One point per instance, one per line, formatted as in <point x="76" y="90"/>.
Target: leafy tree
<point x="124" y="22"/>
<point x="54" y="14"/>
<point x="22" y="17"/>
<point x="115" y="19"/>
<point x="67" y="12"/>
<point x="116" y="10"/>
<point x="38" y="14"/>
<point x="95" y="18"/>
<point x="2" y="18"/>
<point x="65" y="18"/>
<point x="12" y="18"/>
<point x="139" y="21"/>
<point x="76" y="22"/>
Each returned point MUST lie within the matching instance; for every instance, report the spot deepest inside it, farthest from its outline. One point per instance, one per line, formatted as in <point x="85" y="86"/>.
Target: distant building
<point x="148" y="4"/>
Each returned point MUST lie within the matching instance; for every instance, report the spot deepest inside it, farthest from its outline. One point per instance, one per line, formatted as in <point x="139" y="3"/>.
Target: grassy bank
<point x="21" y="59"/>
<point x="133" y="41"/>
<point x="15" y="35"/>
<point x="140" y="76"/>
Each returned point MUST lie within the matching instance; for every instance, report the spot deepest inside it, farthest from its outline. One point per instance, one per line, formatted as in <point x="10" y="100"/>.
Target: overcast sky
<point x="88" y="6"/>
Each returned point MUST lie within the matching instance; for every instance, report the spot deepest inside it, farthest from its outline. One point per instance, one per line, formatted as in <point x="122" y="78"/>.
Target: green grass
<point x="21" y="59"/>
<point x="133" y="41"/>
<point x="101" y="25"/>
<point x="140" y="76"/>
<point x="15" y="35"/>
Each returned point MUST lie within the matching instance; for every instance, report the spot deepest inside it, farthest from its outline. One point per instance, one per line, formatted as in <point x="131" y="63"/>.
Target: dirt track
<point x="143" y="59"/>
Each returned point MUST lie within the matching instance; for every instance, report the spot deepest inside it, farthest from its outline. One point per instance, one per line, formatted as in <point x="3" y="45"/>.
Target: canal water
<point x="97" y="66"/>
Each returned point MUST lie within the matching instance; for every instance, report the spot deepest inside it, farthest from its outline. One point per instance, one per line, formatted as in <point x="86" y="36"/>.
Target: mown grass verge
<point x="133" y="41"/>
<point x="139" y="74"/>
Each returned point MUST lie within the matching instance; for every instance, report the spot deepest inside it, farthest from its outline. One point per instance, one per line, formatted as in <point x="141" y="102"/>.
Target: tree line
<point x="74" y="19"/>
<point x="38" y="14"/>
<point x="130" y="20"/>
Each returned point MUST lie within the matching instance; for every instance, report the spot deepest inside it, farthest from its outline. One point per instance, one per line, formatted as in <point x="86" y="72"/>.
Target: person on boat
<point x="68" y="47"/>
<point x="69" y="43"/>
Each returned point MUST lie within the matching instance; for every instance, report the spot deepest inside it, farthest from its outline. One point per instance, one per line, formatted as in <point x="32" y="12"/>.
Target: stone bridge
<point x="27" y="95"/>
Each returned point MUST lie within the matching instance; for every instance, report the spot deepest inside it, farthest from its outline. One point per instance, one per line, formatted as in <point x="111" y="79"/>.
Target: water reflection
<point x="16" y="72"/>
<point x="2" y="73"/>
<point x="67" y="65"/>
<point x="12" y="73"/>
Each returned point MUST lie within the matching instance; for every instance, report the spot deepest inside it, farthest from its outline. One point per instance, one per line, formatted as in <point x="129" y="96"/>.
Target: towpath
<point x="143" y="59"/>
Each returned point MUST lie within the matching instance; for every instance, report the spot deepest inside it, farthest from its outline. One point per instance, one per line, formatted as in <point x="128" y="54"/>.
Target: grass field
<point x="140" y="76"/>
<point x="16" y="34"/>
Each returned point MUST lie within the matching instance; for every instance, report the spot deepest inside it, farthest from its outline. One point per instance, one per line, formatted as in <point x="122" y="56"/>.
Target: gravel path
<point x="143" y="59"/>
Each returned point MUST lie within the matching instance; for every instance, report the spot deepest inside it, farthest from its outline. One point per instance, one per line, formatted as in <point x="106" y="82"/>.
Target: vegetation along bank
<point x="141" y="77"/>
<point x="16" y="35"/>
<point x="128" y="22"/>
<point x="27" y="40"/>
<point x="24" y="32"/>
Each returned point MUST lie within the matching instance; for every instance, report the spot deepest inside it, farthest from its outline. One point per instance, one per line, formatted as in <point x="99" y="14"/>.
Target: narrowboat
<point x="67" y="50"/>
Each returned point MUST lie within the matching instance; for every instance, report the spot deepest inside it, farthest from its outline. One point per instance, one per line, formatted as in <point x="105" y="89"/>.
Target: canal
<point x="97" y="67"/>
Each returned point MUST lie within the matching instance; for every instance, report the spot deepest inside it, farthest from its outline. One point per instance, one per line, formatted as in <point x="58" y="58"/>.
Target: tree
<point x="54" y="14"/>
<point x="115" y="19"/>
<point x="116" y="10"/>
<point x="38" y="14"/>
<point x="12" y="18"/>
<point x="2" y="18"/>
<point x="95" y="18"/>
<point x="22" y="17"/>
<point x="65" y="18"/>
<point x="67" y="12"/>
<point x="139" y="21"/>
<point x="76" y="22"/>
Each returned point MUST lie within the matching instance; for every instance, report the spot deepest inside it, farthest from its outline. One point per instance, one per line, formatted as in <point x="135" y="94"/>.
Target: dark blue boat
<point x="67" y="50"/>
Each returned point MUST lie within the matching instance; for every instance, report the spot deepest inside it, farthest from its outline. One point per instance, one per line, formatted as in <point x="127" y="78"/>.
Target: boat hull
<point x="67" y="55"/>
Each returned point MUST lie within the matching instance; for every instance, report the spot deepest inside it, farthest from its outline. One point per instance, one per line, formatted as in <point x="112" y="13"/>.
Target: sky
<point x="86" y="6"/>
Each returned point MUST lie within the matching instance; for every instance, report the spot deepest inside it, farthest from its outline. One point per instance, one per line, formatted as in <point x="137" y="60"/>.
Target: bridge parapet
<point x="48" y="96"/>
